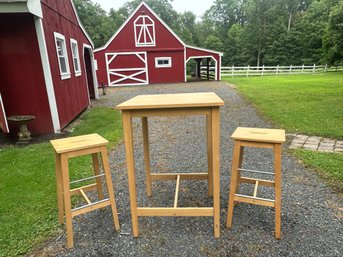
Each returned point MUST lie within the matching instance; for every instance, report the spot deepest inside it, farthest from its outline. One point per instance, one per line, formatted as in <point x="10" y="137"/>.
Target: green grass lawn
<point x="28" y="212"/>
<point x="308" y="104"/>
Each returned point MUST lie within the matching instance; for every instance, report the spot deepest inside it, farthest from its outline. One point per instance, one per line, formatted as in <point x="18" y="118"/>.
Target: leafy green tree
<point x="95" y="21"/>
<point x="333" y="40"/>
<point x="214" y="43"/>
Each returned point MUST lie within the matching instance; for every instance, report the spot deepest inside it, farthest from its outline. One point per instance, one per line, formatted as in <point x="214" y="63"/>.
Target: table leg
<point x="277" y="166"/>
<point x="59" y="183"/>
<point x="209" y="154"/>
<point x="127" y="127"/>
<point x="215" y="117"/>
<point x="146" y="155"/>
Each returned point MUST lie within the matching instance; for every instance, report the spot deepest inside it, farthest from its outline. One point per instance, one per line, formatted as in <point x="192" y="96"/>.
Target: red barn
<point x="46" y="64"/>
<point x="145" y="50"/>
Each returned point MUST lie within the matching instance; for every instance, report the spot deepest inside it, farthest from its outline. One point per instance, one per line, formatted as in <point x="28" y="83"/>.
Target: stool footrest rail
<point x="90" y="207"/>
<point x="257" y="171"/>
<point x="85" y="179"/>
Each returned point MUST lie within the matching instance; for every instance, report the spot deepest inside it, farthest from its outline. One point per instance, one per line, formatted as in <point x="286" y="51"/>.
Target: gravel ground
<point x="311" y="213"/>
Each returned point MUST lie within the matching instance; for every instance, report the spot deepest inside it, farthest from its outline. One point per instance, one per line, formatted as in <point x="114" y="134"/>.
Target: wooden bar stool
<point x="77" y="146"/>
<point x="262" y="138"/>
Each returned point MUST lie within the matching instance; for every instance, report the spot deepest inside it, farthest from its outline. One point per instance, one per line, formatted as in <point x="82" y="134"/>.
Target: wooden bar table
<point x="145" y="106"/>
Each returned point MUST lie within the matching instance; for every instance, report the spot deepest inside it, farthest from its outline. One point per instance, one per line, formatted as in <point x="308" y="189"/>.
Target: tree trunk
<point x="289" y="22"/>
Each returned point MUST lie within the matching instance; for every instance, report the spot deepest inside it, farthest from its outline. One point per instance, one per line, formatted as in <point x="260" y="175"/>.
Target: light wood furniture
<point x="173" y="105"/>
<point x="262" y="138"/>
<point x="77" y="146"/>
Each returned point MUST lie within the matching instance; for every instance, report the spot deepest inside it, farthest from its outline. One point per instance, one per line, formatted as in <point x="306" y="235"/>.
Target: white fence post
<point x="290" y="69"/>
<point x="248" y="71"/>
<point x="262" y="69"/>
<point x="314" y="68"/>
<point x="277" y="69"/>
<point x="302" y="69"/>
<point x="233" y="67"/>
<point x="326" y="68"/>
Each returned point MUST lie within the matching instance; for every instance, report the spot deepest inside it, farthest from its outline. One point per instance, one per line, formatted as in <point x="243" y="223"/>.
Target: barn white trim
<point x="47" y="75"/>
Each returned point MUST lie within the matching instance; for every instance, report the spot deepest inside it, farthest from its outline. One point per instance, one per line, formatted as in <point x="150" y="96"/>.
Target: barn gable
<point x="143" y="29"/>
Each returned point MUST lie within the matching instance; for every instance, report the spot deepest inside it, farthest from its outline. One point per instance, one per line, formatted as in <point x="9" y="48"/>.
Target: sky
<point x="196" y="6"/>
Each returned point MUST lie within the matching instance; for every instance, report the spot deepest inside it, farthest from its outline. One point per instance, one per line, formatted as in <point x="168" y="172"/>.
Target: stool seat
<point x="259" y="135"/>
<point x="78" y="143"/>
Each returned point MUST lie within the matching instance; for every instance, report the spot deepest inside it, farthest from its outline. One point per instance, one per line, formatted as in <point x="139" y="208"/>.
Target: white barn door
<point x="3" y="119"/>
<point x="127" y="69"/>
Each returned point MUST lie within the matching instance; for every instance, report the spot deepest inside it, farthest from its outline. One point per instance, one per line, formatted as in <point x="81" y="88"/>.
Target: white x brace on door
<point x="127" y="68"/>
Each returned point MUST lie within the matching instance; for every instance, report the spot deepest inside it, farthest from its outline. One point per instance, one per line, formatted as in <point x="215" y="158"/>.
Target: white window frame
<point x="75" y="57"/>
<point x="143" y="31"/>
<point x="168" y="65"/>
<point x="66" y="74"/>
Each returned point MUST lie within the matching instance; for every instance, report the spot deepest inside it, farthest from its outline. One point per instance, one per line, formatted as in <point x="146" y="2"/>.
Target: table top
<point x="77" y="143"/>
<point x="161" y="101"/>
<point x="259" y="135"/>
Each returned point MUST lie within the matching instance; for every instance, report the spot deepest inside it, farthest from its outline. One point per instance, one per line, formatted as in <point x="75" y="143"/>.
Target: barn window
<point x="144" y="31"/>
<point x="76" y="57"/>
<point x="62" y="56"/>
<point x="163" y="62"/>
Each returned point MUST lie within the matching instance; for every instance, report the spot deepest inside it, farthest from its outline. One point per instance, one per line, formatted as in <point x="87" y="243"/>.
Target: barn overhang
<point x="201" y="54"/>
<point x="21" y="6"/>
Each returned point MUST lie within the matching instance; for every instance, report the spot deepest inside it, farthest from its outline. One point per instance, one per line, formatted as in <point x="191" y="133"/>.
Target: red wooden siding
<point x="22" y="82"/>
<point x="172" y="74"/>
<point x="71" y="94"/>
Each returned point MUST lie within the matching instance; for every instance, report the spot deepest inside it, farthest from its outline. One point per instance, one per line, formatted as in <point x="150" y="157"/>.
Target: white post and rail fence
<point x="232" y="71"/>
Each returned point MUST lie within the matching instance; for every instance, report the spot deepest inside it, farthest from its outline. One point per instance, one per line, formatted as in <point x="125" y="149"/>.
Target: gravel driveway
<point x="311" y="214"/>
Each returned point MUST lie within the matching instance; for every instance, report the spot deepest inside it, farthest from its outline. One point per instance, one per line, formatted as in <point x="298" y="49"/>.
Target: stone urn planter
<point x="24" y="135"/>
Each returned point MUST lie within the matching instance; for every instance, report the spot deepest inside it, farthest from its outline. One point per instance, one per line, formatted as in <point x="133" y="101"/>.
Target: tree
<point x="95" y="21"/>
<point x="333" y="40"/>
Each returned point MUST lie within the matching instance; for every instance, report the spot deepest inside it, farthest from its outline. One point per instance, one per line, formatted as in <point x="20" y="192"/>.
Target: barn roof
<point x="21" y="6"/>
<point x="34" y="7"/>
<point x="143" y="3"/>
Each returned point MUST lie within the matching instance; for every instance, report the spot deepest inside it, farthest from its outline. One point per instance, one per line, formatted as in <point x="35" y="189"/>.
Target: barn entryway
<point x="201" y="68"/>
<point x="3" y="120"/>
<point x="89" y="66"/>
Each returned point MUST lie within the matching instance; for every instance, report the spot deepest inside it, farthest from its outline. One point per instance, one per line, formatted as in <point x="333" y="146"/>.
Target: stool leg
<point x="233" y="183"/>
<point x="97" y="172"/>
<point x="209" y="155"/>
<point x="59" y="184"/>
<point x="240" y="162"/>
<point x="146" y="155"/>
<point x="67" y="200"/>
<point x="277" y="165"/>
<point x="107" y="172"/>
